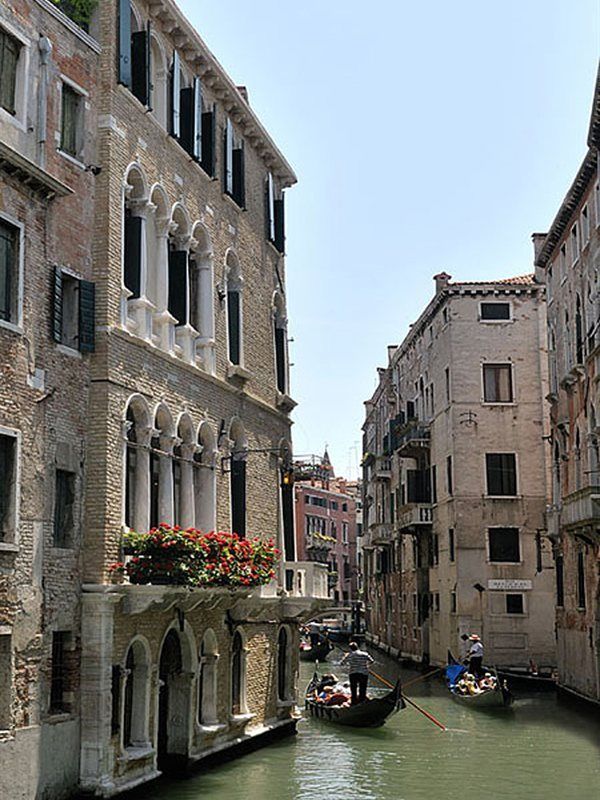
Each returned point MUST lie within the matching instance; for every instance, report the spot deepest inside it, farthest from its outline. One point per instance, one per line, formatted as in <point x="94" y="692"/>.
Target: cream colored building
<point x="455" y="480"/>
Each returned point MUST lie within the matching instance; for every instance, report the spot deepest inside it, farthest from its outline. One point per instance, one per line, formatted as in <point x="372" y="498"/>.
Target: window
<point x="238" y="704"/>
<point x="451" y="544"/>
<point x="71" y="121"/>
<point x="453" y="602"/>
<point x="9" y="272"/>
<point x="585" y="225"/>
<point x="344" y="533"/>
<point x="447" y="378"/>
<point x="563" y="262"/>
<point x="280" y="342"/>
<point x="504" y="545"/>
<point x="5" y="681"/>
<point x="233" y="166"/>
<point x="501" y="470"/>
<point x="494" y="312"/>
<point x="283" y="665"/>
<point x="9" y="59"/>
<point x="574" y="243"/>
<point x="497" y="383"/>
<point x="8" y="487"/>
<point x="74" y="306"/>
<point x="134" y="55"/>
<point x="58" y="675"/>
<point x="345" y="507"/>
<point x="560" y="582"/>
<point x="64" y="508"/>
<point x="580" y="580"/>
<point x="434" y="559"/>
<point x="275" y="216"/>
<point x="135" y="697"/>
<point x="515" y="604"/>
<point x="234" y="311"/>
<point x="449" y="476"/>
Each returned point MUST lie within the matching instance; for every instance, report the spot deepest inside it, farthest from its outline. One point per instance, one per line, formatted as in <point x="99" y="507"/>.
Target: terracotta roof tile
<point x="518" y="280"/>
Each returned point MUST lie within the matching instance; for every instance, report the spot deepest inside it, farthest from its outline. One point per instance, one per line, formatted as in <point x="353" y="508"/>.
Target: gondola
<point x="370" y="714"/>
<point x="318" y="652"/>
<point x="500" y="697"/>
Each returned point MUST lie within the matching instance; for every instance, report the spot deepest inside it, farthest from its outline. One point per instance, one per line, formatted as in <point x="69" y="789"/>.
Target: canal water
<point x="541" y="750"/>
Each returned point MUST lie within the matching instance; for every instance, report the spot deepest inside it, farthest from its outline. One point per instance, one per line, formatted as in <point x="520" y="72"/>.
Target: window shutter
<point x="239" y="177"/>
<point x="186" y="124"/>
<point x="233" y="325"/>
<point x="176" y="96"/>
<point x="7" y="270"/>
<point x="57" y="305"/>
<point x="228" y="159"/>
<point x="280" y="358"/>
<point x="287" y="508"/>
<point x="132" y="253"/>
<point x="87" y="316"/>
<point x="197" y="120"/>
<point x="279" y="224"/>
<point x="178" y="262"/>
<point x="238" y="497"/>
<point x="209" y="139"/>
<point x="269" y="209"/>
<point x="140" y="65"/>
<point x="125" y="42"/>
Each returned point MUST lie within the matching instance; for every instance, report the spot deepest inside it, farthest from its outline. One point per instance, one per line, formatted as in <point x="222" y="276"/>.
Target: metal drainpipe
<point x="45" y="50"/>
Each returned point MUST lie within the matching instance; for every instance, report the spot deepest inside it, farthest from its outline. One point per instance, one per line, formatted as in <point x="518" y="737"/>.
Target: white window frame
<point x="487" y="544"/>
<point x="13" y="546"/>
<point x="19" y="118"/>
<point x="510" y="364"/>
<point x="17" y="327"/>
<point x="496" y="321"/>
<point x="517" y="476"/>
<point x="79" y="159"/>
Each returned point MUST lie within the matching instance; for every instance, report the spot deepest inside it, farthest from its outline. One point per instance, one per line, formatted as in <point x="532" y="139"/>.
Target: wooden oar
<point x="411" y="702"/>
<point x="422" y="677"/>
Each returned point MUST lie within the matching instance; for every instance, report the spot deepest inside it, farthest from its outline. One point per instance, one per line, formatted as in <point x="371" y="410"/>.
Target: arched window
<point x="136" y="458"/>
<point x="179" y="288"/>
<point x="280" y="336"/>
<point x="161" y="470"/>
<point x="131" y="466"/>
<point x="238" y="675"/>
<point x="183" y="474"/>
<point x="205" y="480"/>
<point x="207" y="680"/>
<point x="134" y="233"/>
<point x="283" y="665"/>
<point x="136" y="697"/>
<point x="233" y="290"/>
<point x="238" y="478"/>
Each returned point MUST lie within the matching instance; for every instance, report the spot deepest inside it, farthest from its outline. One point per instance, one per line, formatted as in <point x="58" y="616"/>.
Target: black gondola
<point x="370" y="714"/>
<point x="500" y="697"/>
<point x="316" y="652"/>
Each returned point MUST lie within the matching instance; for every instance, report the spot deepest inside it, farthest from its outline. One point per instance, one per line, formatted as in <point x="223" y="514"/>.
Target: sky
<point x="426" y="136"/>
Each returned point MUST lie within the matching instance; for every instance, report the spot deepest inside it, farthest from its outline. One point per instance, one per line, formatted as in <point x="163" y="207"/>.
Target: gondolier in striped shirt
<point x="358" y="671"/>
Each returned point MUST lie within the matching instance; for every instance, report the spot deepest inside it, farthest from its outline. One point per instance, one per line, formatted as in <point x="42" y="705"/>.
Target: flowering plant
<point x="169" y="554"/>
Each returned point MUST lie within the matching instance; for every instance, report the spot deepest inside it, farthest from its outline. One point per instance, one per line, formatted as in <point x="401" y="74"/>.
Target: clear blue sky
<point x="425" y="136"/>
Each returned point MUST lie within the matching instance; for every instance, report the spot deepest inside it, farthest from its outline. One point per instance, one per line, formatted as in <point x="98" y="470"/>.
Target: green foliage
<point x="80" y="11"/>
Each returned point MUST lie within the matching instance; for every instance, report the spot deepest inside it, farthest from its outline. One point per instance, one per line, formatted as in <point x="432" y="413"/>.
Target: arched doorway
<point x="173" y="705"/>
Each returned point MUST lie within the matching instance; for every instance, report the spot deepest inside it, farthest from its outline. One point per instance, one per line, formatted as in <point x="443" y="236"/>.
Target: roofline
<point x="196" y="52"/>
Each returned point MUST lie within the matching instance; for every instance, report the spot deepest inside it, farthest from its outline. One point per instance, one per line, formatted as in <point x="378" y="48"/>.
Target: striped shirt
<point x="357" y="661"/>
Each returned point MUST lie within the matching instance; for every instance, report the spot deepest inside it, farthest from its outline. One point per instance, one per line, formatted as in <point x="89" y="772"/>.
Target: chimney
<point x="441" y="281"/>
<point x="244" y="92"/>
<point x="538" y="240"/>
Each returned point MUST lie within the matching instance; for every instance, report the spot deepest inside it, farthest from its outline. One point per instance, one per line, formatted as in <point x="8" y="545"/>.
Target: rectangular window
<point x="344" y="533"/>
<point x="8" y="487"/>
<point x="585" y="225"/>
<point x="71" y="122"/>
<point x="9" y="271"/>
<point x="453" y="602"/>
<point x="560" y="582"/>
<point x="58" y="678"/>
<point x="580" y="579"/>
<point x="563" y="261"/>
<point x="64" y="508"/>
<point x="451" y="545"/>
<point x="447" y="376"/>
<point x="449" y="476"/>
<point x="515" y="604"/>
<point x="497" y="383"/>
<point x="494" y="312"/>
<point x="9" y="59"/>
<point x="504" y="545"/>
<point x="574" y="243"/>
<point x="233" y="166"/>
<point x="5" y="681"/>
<point x="501" y="472"/>
<point x="74" y="307"/>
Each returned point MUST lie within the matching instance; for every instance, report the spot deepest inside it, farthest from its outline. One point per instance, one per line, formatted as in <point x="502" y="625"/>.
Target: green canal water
<point x="541" y="750"/>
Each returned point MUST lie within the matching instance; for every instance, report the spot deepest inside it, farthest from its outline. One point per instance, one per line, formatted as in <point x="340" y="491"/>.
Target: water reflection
<point x="542" y="750"/>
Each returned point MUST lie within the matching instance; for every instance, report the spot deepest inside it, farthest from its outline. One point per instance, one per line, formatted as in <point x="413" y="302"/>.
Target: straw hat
<point x="474" y="637"/>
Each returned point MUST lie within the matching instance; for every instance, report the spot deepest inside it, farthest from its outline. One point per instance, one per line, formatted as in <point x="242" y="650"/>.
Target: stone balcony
<point x="382" y="469"/>
<point x="381" y="533"/>
<point x="413" y="439"/>
<point x="306" y="579"/>
<point x="581" y="508"/>
<point x="415" y="516"/>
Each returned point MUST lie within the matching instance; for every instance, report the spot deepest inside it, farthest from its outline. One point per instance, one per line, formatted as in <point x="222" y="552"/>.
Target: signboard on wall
<point x="509" y="585"/>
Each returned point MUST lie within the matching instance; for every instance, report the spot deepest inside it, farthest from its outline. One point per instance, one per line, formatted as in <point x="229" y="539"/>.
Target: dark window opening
<point x="234" y="326"/>
<point x="9" y="271"/>
<point x="501" y="471"/>
<point x="451" y="544"/>
<point x="234" y="167"/>
<point x="449" y="476"/>
<point x="64" y="509"/>
<point x="280" y="364"/>
<point x="515" y="604"/>
<point x="282" y="664"/>
<point x="74" y="312"/>
<point x="70" y="133"/>
<point x="58" y="675"/>
<point x="238" y="496"/>
<point x="236" y="673"/>
<point x="9" y="59"/>
<point x="504" y="545"/>
<point x="581" y="580"/>
<point x="495" y="311"/>
<point x="497" y="383"/>
<point x="8" y="464"/>
<point x="560" y="584"/>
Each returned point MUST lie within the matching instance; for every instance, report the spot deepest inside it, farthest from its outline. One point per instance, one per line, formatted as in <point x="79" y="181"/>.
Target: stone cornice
<point x="194" y="51"/>
<point x="30" y="175"/>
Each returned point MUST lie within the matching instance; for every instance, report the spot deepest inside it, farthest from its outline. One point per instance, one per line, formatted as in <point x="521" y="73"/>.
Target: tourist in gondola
<point x="358" y="671"/>
<point x="475" y="655"/>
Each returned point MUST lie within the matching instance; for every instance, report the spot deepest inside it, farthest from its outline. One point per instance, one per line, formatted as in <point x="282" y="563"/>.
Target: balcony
<point x="306" y="579"/>
<point x="381" y="533"/>
<point x="580" y="507"/>
<point x="415" y="516"/>
<point x="382" y="471"/>
<point x="412" y="439"/>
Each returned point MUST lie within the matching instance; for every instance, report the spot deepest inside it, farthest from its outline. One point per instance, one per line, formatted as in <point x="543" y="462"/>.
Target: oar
<point x="410" y="702"/>
<point x="422" y="677"/>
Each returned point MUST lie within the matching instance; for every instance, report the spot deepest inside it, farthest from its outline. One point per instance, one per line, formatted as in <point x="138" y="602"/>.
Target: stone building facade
<point x="145" y="348"/>
<point x="326" y="525"/>
<point x="570" y="255"/>
<point x="455" y="480"/>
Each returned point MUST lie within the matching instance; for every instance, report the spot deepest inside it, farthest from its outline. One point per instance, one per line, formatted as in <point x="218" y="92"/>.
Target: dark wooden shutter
<point x="178" y="263"/>
<point x="140" y="65"/>
<point x="239" y="176"/>
<point x="57" y="305"/>
<point x="280" y="359"/>
<point x="209" y="140"/>
<point x="125" y="42"/>
<point x="132" y="253"/>
<point x="115" y="689"/>
<point x="279" y="224"/>
<point x="238" y="497"/>
<point x="287" y="507"/>
<point x="176" y="96"/>
<point x="186" y="124"/>
<point x="87" y="316"/>
<point x="8" y="264"/>
<point x="233" y="326"/>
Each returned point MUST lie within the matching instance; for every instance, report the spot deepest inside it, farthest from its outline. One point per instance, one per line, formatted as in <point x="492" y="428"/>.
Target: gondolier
<point x="358" y="671"/>
<point x="475" y="655"/>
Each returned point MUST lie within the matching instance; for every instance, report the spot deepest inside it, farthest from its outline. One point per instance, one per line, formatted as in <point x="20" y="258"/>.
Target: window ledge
<point x="11" y="326"/>
<point x="496" y="321"/>
<point x="285" y="402"/>
<point x="9" y="547"/>
<point x="13" y="119"/>
<point x="510" y="403"/>
<point x="275" y="249"/>
<point x="207" y="730"/>
<point x="71" y="159"/>
<point x="241" y="719"/>
<point x="286" y="703"/>
<point x="69" y="351"/>
<point x="237" y="371"/>
<point x="502" y="497"/>
<point x="136" y="753"/>
<point x="234" y="204"/>
<point x="55" y="718"/>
